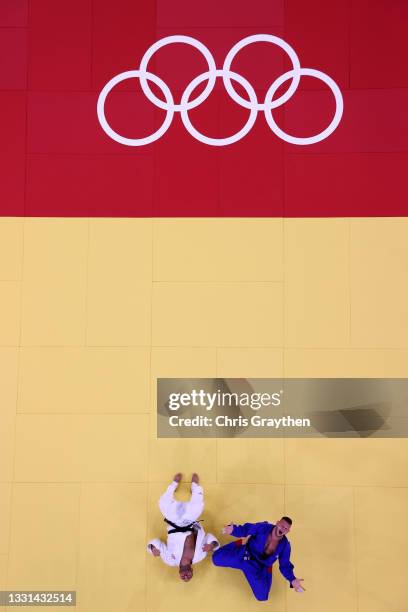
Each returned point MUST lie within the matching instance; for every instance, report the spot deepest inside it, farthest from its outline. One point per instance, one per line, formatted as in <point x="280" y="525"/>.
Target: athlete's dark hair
<point x="287" y="519"/>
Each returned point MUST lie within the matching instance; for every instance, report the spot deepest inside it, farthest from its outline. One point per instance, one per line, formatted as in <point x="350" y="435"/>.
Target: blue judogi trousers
<point x="239" y="557"/>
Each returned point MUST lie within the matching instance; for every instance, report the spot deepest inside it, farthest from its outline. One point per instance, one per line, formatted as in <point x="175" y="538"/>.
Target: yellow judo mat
<point x="93" y="311"/>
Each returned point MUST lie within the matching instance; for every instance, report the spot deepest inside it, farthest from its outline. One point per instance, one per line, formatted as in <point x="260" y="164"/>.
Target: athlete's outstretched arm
<point x="210" y="543"/>
<point x="285" y="565"/>
<point x="242" y="531"/>
<point x="286" y="569"/>
<point x="158" y="545"/>
<point x="157" y="548"/>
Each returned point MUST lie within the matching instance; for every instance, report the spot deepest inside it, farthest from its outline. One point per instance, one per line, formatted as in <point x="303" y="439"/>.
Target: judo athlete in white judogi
<point x="187" y="542"/>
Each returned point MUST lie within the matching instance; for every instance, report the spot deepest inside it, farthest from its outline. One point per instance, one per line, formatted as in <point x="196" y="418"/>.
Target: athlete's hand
<point x="297" y="586"/>
<point x="155" y="551"/>
<point x="228" y="529"/>
<point x="209" y="547"/>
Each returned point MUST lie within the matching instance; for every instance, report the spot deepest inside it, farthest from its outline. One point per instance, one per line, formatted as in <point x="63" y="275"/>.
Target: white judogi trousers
<point x="182" y="514"/>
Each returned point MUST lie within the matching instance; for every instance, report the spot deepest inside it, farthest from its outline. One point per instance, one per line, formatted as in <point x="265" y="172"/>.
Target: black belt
<point x="178" y="529"/>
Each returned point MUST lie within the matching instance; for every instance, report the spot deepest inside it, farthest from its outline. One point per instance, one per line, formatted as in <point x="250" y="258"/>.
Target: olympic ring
<point x="219" y="141"/>
<point x="252" y="104"/>
<point x="311" y="139"/>
<point x="262" y="38"/>
<point x="134" y="142"/>
<point x="187" y="40"/>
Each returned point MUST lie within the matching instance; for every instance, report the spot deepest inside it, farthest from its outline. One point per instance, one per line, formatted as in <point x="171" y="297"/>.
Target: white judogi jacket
<point x="172" y="552"/>
<point x="182" y="514"/>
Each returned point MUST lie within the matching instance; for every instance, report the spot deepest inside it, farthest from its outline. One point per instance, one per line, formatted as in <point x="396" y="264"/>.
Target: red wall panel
<point x="56" y="160"/>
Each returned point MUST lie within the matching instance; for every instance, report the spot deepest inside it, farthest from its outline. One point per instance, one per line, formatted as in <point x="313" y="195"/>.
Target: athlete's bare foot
<point x="195" y="478"/>
<point x="177" y="477"/>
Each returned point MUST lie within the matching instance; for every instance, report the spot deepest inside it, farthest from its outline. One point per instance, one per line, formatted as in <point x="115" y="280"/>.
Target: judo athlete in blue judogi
<point x="255" y="557"/>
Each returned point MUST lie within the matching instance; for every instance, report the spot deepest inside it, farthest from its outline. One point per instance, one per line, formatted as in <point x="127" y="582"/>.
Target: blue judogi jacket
<point x="259" y="533"/>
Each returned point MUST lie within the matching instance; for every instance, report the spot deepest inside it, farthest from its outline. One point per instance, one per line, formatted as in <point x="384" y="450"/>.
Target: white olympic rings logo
<point x="252" y="103"/>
